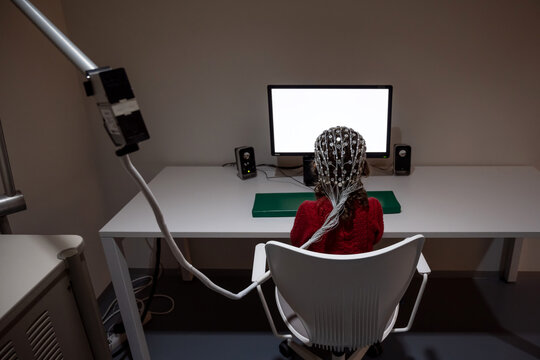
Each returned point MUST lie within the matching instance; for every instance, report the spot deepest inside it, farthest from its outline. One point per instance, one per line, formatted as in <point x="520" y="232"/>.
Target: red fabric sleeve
<point x="375" y="209"/>
<point x="360" y="236"/>
<point x="300" y="232"/>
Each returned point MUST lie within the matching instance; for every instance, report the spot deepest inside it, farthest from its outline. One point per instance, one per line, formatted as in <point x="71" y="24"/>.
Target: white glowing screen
<point x="299" y="115"/>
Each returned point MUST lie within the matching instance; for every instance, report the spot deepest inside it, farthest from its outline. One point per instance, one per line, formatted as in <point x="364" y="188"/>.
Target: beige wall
<point x="49" y="141"/>
<point x="465" y="76"/>
<point x="465" y="72"/>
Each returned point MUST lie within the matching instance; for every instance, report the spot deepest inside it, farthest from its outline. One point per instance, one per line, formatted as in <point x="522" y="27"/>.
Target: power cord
<point x="154" y="283"/>
<point x="116" y="333"/>
<point x="282" y="168"/>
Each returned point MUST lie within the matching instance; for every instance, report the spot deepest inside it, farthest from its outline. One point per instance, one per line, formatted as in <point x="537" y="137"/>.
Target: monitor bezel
<point x="376" y="155"/>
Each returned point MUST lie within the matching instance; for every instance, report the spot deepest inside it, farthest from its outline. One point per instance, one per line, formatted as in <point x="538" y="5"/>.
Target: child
<point x="343" y="220"/>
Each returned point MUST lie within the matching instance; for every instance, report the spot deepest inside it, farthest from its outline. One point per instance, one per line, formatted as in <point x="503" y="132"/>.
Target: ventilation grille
<point x="7" y="352"/>
<point x="43" y="340"/>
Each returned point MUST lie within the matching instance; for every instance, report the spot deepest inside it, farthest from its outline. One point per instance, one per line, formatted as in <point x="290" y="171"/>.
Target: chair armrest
<point x="259" y="262"/>
<point x="422" y="267"/>
<point x="258" y="276"/>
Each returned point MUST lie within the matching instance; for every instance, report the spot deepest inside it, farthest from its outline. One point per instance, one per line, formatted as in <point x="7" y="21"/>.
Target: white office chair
<point x="340" y="303"/>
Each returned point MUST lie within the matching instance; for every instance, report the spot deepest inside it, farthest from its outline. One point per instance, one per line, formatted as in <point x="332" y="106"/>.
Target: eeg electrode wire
<point x="126" y="162"/>
<point x="331" y="222"/>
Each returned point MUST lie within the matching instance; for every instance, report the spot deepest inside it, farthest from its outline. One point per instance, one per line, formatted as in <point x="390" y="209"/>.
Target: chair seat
<point x="297" y="328"/>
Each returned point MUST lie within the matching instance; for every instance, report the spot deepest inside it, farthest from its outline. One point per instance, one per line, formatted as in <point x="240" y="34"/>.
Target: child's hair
<point x="340" y="158"/>
<point x="359" y="197"/>
<point x="344" y="150"/>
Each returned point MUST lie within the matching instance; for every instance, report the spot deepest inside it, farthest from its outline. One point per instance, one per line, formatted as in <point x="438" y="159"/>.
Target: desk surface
<point x="436" y="201"/>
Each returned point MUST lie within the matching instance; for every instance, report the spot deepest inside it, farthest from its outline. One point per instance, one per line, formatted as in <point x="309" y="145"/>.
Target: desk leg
<point x="184" y="246"/>
<point x="126" y="299"/>
<point x="513" y="254"/>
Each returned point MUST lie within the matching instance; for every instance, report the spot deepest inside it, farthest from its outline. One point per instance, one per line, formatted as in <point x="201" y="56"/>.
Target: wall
<point x="465" y="73"/>
<point x="48" y="137"/>
<point x="465" y="76"/>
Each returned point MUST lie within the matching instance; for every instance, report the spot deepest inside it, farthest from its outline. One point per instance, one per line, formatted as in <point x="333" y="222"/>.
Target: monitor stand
<point x="288" y="166"/>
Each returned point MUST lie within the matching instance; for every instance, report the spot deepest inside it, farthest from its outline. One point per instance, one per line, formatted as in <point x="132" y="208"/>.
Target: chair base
<point x="375" y="350"/>
<point x="288" y="347"/>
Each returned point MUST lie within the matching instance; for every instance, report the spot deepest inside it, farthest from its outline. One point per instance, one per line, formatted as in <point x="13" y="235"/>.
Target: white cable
<point x="139" y="303"/>
<point x="107" y="317"/>
<point x="172" y="244"/>
<point x="135" y="291"/>
<point x="162" y="312"/>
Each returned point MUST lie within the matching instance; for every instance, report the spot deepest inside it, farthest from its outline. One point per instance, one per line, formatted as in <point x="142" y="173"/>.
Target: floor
<point x="459" y="318"/>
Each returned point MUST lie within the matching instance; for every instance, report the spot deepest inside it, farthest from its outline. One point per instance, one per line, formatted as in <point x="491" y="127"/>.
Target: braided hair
<point x="357" y="198"/>
<point x="340" y="160"/>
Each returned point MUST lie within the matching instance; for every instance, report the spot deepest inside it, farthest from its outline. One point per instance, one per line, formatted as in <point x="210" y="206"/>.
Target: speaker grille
<point x="7" y="352"/>
<point x="42" y="338"/>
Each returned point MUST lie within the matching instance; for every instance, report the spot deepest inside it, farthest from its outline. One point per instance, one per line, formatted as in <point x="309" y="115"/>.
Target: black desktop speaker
<point x="310" y="172"/>
<point x="402" y="159"/>
<point x="245" y="162"/>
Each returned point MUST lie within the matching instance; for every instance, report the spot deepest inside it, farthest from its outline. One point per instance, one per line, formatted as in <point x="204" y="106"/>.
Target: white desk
<point x="438" y="202"/>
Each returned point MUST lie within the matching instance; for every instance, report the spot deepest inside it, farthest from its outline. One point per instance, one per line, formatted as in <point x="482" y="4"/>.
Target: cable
<point x="113" y="303"/>
<point x="276" y="167"/>
<point x="163" y="312"/>
<point x="154" y="280"/>
<point x="172" y="244"/>
<point x="160" y="264"/>
<point x="119" y="327"/>
<point x="108" y="315"/>
<point x="282" y="167"/>
<point x="283" y="172"/>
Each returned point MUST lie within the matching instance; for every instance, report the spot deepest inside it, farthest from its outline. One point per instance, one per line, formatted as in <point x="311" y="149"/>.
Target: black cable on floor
<point x="154" y="283"/>
<point x="119" y="328"/>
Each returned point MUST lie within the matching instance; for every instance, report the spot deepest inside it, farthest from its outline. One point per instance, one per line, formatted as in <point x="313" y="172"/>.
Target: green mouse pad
<point x="286" y="204"/>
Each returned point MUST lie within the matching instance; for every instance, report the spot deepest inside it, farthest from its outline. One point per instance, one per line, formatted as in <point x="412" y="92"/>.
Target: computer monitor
<point x="300" y="113"/>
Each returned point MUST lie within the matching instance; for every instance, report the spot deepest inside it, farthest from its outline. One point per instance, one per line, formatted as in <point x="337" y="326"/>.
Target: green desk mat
<point x="286" y="204"/>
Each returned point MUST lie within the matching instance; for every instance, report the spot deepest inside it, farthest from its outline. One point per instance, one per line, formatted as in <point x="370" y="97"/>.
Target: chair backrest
<point x="344" y="301"/>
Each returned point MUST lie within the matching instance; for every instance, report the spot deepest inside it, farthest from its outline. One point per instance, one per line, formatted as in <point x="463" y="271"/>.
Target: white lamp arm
<point x="73" y="53"/>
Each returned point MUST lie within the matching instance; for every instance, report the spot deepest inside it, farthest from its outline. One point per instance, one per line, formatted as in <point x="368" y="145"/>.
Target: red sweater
<point x="358" y="235"/>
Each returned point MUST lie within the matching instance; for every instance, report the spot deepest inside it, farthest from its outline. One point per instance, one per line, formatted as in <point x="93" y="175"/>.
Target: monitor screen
<point x="300" y="113"/>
